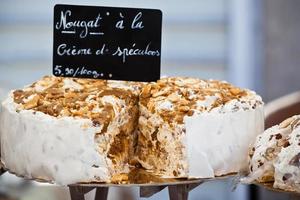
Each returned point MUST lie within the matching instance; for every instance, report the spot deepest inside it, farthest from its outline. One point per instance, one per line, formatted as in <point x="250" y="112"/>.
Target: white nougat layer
<point x="41" y="146"/>
<point x="217" y="143"/>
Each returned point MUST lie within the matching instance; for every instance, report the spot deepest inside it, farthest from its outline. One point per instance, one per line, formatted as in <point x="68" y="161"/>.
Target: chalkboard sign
<point x="107" y="42"/>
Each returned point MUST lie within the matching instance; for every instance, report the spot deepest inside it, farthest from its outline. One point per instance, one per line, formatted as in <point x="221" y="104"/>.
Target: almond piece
<point x="173" y="97"/>
<point x="286" y="122"/>
<point x="235" y="91"/>
<point x="183" y="108"/>
<point x="32" y="102"/>
<point x="146" y="91"/>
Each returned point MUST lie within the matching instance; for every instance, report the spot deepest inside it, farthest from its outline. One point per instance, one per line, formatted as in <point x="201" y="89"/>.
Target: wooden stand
<point x="176" y="191"/>
<point x="78" y="192"/>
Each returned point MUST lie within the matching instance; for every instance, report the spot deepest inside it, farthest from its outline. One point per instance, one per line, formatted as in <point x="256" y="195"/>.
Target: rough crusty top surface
<point x="175" y="97"/>
<point x="171" y="98"/>
<point x="72" y="97"/>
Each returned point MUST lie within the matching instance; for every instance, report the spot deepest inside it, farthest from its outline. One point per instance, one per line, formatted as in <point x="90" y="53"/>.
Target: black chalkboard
<point x="107" y="42"/>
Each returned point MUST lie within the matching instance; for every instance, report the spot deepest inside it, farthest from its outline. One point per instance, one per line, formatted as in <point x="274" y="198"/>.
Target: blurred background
<point x="251" y="43"/>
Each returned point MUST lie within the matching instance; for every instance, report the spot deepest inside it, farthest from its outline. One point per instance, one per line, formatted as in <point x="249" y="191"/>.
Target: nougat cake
<point x="196" y="128"/>
<point x="275" y="156"/>
<point x="70" y="130"/>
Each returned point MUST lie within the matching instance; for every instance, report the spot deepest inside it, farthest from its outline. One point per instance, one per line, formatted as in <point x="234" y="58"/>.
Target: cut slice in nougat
<point x="275" y="156"/>
<point x="196" y="128"/>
